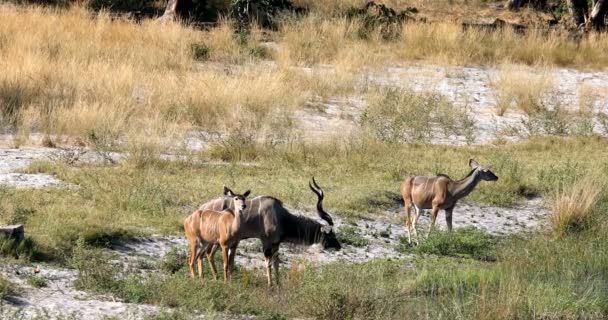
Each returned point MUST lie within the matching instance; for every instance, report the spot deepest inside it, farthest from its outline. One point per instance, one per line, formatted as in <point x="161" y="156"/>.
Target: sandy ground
<point x="465" y="86"/>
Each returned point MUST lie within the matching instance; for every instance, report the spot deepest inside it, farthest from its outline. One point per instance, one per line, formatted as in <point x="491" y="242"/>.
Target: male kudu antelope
<point x="267" y="219"/>
<point x="439" y="192"/>
<point x="206" y="228"/>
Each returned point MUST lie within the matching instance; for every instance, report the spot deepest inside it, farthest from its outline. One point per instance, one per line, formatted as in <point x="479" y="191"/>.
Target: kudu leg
<point x="275" y="264"/>
<point x="415" y="223"/>
<point x="226" y="259"/>
<point x="210" y="253"/>
<point x="434" y="212"/>
<point x="199" y="262"/>
<point x="271" y="256"/>
<point x="408" y="222"/>
<point x="232" y="256"/>
<point x="448" y="218"/>
<point x="192" y="257"/>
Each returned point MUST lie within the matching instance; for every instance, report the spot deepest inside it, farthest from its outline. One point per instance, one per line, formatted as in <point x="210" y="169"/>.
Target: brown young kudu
<point x="205" y="228"/>
<point x="439" y="192"/>
<point x="267" y="219"/>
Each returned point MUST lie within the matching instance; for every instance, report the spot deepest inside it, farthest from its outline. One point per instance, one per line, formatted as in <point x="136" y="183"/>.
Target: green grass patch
<point x="174" y="260"/>
<point x="6" y="287"/>
<point x="463" y="243"/>
<point x="26" y="249"/>
<point x="37" y="282"/>
<point x="350" y="235"/>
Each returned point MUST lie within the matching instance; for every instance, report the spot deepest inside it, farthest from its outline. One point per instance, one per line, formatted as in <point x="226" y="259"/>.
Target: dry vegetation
<point x="573" y="206"/>
<point x="68" y="72"/>
<point x="517" y="88"/>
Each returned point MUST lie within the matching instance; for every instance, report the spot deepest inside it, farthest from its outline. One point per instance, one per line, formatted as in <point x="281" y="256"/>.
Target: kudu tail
<point x="320" y="195"/>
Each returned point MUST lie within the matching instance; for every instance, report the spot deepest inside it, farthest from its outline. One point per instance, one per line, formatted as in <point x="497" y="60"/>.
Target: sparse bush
<point x="602" y="118"/>
<point x="557" y="121"/>
<point x="173" y="261"/>
<point x="26" y="249"/>
<point x="403" y="115"/>
<point x="466" y="243"/>
<point x="526" y="92"/>
<point x="94" y="271"/>
<point x="6" y="288"/>
<point x="15" y="96"/>
<point x="350" y="235"/>
<point x="101" y="238"/>
<point x="20" y="215"/>
<point x="37" y="282"/>
<point x="573" y="206"/>
<point x="200" y="51"/>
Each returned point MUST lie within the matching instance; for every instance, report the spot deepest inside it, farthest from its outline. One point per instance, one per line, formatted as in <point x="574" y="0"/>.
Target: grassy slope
<point x="360" y="178"/>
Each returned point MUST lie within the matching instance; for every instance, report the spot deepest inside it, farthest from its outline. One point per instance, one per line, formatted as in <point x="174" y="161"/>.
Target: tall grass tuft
<point x="573" y="207"/>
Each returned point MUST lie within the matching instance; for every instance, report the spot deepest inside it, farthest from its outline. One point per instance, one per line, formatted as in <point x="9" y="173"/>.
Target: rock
<point x="12" y="232"/>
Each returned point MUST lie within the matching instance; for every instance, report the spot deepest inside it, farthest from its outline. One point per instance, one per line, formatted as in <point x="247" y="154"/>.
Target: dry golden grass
<point x="74" y="73"/>
<point x="317" y="39"/>
<point x="66" y="72"/>
<point x="573" y="207"/>
<point x="521" y="87"/>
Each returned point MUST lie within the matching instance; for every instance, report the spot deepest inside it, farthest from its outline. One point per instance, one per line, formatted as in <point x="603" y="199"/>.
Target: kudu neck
<point x="461" y="188"/>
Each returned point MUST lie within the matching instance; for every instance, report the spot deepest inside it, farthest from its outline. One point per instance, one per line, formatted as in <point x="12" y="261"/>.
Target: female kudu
<point x="439" y="192"/>
<point x="205" y="228"/>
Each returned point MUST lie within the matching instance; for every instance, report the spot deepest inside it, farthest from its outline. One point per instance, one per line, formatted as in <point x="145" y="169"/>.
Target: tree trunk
<point x="598" y="14"/>
<point x="515" y="4"/>
<point x="578" y="9"/>
<point x="170" y="10"/>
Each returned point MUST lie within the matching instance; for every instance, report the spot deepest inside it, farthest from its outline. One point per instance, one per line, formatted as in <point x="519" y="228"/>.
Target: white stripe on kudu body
<point x="439" y="192"/>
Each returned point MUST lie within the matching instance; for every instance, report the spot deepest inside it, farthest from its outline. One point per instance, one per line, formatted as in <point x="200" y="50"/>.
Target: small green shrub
<point x="200" y="51"/>
<point x="94" y="271"/>
<point x="26" y="249"/>
<point x="20" y="215"/>
<point x="6" y="287"/>
<point x="466" y="243"/>
<point x="37" y="282"/>
<point x="105" y="238"/>
<point x="350" y="235"/>
<point x="173" y="261"/>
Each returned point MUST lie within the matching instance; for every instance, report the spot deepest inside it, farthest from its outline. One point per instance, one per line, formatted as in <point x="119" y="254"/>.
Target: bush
<point x="465" y="243"/>
<point x="6" y="287"/>
<point x="37" y="282"/>
<point x="173" y="261"/>
<point x="404" y="115"/>
<point x="26" y="249"/>
<point x="350" y="235"/>
<point x="573" y="207"/>
<point x="94" y="271"/>
<point x="200" y="51"/>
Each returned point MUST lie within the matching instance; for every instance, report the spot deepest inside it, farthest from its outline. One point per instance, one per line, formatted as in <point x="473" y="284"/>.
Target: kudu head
<point x="238" y="199"/>
<point x="329" y="240"/>
<point x="484" y="172"/>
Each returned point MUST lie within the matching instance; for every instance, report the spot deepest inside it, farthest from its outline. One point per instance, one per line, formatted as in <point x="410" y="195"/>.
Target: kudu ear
<point x="246" y="194"/>
<point x="326" y="229"/>
<point x="228" y="192"/>
<point x="473" y="164"/>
